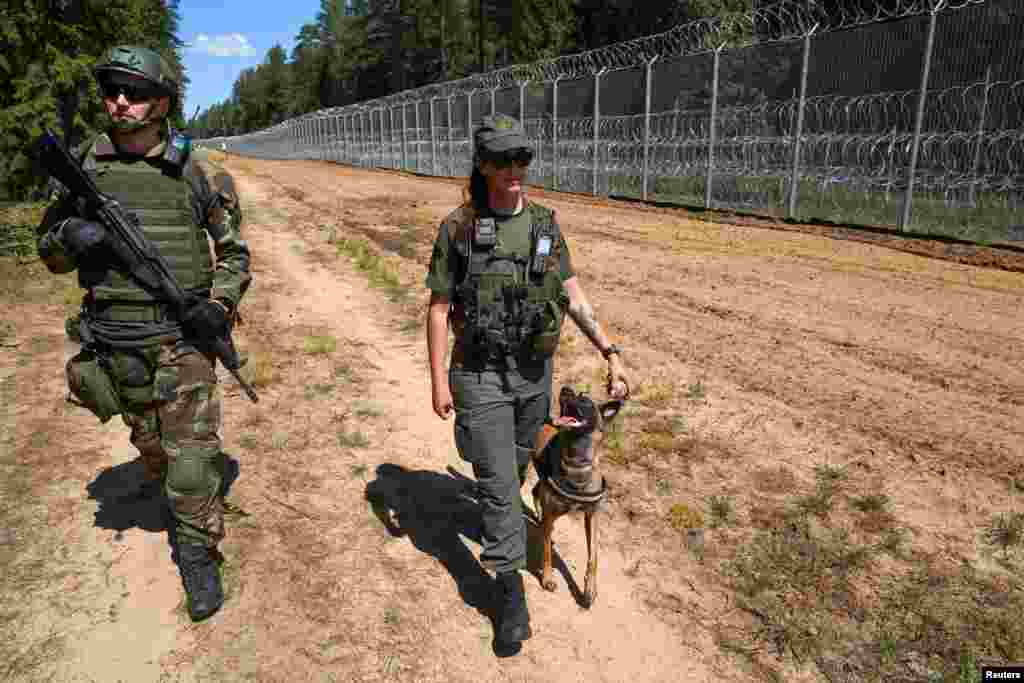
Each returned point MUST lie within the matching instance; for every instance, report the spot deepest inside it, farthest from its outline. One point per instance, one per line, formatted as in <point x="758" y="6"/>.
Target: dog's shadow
<point x="433" y="510"/>
<point x="124" y="502"/>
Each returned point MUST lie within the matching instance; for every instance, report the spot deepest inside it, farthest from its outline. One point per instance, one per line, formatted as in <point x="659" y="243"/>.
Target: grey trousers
<point x="497" y="416"/>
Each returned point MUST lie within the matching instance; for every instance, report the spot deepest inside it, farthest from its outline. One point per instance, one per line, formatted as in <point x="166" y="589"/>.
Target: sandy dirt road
<point x="756" y="356"/>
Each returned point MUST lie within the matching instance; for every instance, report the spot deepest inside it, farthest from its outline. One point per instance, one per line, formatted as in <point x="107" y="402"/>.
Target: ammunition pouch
<point x="105" y="383"/>
<point x="133" y="374"/>
<point x="92" y="386"/>
<point x="544" y="341"/>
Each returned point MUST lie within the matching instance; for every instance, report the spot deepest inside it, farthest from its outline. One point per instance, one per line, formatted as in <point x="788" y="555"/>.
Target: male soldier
<point x="138" y="358"/>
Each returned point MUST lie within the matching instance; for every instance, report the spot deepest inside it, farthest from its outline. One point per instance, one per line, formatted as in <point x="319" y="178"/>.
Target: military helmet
<point x="141" y="62"/>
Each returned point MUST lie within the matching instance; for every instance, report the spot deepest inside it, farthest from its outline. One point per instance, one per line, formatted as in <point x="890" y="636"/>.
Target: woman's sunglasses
<point x="132" y="93"/>
<point x="519" y="157"/>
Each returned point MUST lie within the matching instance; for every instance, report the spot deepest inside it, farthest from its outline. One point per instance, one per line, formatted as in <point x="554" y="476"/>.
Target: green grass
<point x="986" y="222"/>
<point x="370" y="262"/>
<point x="18" y="228"/>
<point x="355" y="439"/>
<point x="723" y="512"/>
<point x="367" y="409"/>
<point x="802" y="582"/>
<point x="695" y="391"/>
<point x="1006" y="532"/>
<point x="320" y="344"/>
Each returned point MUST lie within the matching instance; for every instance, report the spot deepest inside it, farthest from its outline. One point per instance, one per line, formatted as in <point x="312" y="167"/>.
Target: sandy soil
<point x="780" y="350"/>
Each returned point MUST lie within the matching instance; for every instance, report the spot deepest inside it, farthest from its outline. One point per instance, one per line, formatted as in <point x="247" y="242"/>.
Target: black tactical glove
<point x="83" y="239"/>
<point x="207" y="320"/>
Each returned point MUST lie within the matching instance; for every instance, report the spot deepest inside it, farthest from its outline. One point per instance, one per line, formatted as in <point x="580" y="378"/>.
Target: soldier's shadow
<point x="123" y="502"/>
<point x="434" y="510"/>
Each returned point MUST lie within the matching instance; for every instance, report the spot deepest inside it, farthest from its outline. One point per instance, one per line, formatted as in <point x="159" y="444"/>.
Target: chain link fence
<point x="892" y="112"/>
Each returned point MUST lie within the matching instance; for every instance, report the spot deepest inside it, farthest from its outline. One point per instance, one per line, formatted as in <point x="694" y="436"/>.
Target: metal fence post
<point x="405" y="152"/>
<point x="419" y="136"/>
<point x="322" y="144"/>
<point x="380" y="136"/>
<point x="433" y="140"/>
<point x="794" y="178"/>
<point x="981" y="132"/>
<point x="712" y="128"/>
<point x="522" y="117"/>
<point x="451" y="158"/>
<point x="554" y="134"/>
<point x="922" y="98"/>
<point x="352" y="148"/>
<point x="597" y="126"/>
<point x="391" y="135"/>
<point x="494" y="101"/>
<point x="382" y="146"/>
<point x="648" y="81"/>
<point x="522" y="103"/>
<point x="469" y="123"/>
<point x="317" y="147"/>
<point x="339" y="139"/>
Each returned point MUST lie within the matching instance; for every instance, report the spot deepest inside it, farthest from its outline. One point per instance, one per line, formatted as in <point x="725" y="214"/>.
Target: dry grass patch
<point x="774" y="479"/>
<point x="818" y="594"/>
<point x="654" y="394"/>
<point x="1006" y="532"/>
<point x="682" y="517"/>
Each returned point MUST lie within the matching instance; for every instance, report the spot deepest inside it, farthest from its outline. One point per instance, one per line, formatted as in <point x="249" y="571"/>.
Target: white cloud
<point x="224" y="45"/>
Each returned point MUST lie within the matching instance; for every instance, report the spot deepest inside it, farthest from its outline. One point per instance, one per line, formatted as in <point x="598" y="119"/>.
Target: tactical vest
<point x="514" y="303"/>
<point x="163" y="207"/>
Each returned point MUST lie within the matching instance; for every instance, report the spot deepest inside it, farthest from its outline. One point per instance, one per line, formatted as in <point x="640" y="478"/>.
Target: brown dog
<point x="566" y="461"/>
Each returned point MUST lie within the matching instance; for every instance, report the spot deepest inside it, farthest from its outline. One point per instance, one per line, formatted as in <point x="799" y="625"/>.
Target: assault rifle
<point x="137" y="255"/>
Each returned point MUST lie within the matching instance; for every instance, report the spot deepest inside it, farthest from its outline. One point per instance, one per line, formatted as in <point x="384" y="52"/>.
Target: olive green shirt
<point x="445" y="272"/>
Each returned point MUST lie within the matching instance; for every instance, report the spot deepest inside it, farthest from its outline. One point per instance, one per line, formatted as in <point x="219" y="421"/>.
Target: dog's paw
<point x="549" y="584"/>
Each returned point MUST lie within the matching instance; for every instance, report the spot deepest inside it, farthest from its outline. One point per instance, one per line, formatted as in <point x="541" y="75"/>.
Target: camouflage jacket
<point x="215" y="208"/>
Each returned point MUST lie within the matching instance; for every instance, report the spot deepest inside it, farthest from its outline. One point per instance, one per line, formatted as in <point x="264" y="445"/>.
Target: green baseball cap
<point x="500" y="133"/>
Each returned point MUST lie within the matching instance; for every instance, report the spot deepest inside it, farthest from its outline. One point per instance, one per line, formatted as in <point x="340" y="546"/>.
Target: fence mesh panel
<point x="813" y="115"/>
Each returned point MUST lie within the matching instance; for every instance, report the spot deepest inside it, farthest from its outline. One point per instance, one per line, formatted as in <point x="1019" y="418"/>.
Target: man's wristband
<point x="611" y="351"/>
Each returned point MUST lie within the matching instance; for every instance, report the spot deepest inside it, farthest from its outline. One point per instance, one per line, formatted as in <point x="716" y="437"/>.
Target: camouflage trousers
<point x="177" y="435"/>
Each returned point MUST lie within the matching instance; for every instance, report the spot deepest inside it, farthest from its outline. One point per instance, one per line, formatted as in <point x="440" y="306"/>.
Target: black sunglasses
<point x="519" y="157"/>
<point x="132" y="93"/>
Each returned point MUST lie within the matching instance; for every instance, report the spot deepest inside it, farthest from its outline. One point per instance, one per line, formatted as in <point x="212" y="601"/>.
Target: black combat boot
<point x="513" y="617"/>
<point x="201" y="579"/>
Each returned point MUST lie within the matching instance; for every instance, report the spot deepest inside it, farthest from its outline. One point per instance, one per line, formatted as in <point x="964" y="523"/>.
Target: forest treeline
<point x="355" y="50"/>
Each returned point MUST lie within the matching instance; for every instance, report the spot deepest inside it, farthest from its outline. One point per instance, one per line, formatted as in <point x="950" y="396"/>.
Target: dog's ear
<point x="566" y="395"/>
<point x="609" y="409"/>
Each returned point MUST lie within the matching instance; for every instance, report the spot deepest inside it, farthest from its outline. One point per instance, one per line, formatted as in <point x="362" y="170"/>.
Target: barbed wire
<point x="784" y="20"/>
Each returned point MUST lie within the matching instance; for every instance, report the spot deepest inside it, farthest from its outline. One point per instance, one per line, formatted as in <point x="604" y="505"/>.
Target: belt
<point x="132" y="311"/>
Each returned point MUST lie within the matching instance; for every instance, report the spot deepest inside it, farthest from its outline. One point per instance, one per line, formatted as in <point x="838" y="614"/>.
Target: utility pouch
<point x="544" y="342"/>
<point x="91" y="385"/>
<point x="132" y="374"/>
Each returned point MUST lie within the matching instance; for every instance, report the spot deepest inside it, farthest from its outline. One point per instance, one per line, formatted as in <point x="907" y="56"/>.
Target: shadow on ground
<point x="126" y="501"/>
<point x="434" y="510"/>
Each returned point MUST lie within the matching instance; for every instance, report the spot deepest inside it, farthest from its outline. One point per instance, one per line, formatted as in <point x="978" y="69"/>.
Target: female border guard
<point x="501" y="275"/>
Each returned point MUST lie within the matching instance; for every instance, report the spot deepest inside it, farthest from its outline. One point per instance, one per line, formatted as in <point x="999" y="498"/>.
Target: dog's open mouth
<point x="577" y="411"/>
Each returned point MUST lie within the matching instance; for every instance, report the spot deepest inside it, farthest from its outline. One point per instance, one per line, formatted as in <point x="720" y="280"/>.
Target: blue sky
<point x="225" y="37"/>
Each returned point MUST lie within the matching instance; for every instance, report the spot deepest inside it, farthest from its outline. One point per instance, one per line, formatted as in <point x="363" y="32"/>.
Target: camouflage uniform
<point x="171" y="400"/>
